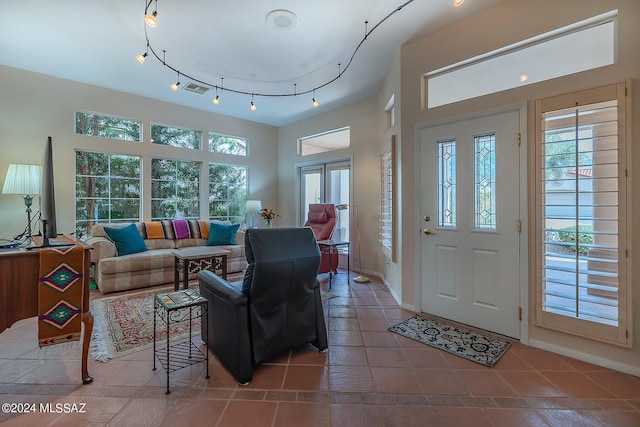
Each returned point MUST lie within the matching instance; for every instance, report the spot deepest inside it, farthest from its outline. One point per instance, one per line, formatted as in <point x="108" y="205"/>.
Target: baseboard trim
<point x="586" y="357"/>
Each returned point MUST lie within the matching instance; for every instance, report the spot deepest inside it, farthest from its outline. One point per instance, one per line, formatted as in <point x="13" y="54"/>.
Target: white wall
<point x="501" y="25"/>
<point x="34" y="106"/>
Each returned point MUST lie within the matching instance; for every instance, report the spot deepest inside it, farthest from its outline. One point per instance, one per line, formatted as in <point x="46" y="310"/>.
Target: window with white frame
<point x="175" y="189"/>
<point x="581" y="237"/>
<point x="104" y="126"/>
<point x="332" y="140"/>
<point x="107" y="189"/>
<point x="227" y="192"/>
<point x="227" y="144"/>
<point x="578" y="47"/>
<point x="175" y="137"/>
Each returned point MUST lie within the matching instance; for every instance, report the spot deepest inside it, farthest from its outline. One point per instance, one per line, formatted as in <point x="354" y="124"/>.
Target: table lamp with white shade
<point x="251" y="209"/>
<point x="24" y="180"/>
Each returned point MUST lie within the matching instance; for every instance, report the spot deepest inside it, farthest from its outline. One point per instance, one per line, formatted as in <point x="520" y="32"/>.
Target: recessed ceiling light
<point x="523" y="77"/>
<point x="457" y="3"/>
<point x="282" y="20"/>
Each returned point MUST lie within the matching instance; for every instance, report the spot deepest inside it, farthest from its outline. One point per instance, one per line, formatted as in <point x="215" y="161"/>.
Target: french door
<point x="327" y="183"/>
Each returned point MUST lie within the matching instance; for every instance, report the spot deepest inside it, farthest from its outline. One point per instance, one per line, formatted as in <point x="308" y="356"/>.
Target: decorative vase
<point x="269" y="223"/>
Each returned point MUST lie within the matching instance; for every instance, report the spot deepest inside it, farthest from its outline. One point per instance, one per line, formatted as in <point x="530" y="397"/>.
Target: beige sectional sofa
<point x="156" y="265"/>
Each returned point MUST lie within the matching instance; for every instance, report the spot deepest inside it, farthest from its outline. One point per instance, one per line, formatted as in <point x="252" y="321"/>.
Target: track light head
<point x="151" y="19"/>
<point x="252" y="107"/>
<point x="216" y="100"/>
<point x="174" y="86"/>
<point x="142" y="57"/>
<point x="315" y="103"/>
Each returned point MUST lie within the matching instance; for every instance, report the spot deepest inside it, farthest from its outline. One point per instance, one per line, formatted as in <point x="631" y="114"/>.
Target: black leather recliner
<point x="275" y="309"/>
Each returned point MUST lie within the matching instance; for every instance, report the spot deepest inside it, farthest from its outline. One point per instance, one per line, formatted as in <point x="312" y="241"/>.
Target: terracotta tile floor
<point x="369" y="377"/>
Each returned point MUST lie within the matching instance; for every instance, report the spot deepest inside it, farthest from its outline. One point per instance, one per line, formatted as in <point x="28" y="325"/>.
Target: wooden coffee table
<point x="193" y="259"/>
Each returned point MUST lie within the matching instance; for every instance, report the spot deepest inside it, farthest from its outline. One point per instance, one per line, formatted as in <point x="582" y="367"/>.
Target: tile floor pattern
<point x="369" y="377"/>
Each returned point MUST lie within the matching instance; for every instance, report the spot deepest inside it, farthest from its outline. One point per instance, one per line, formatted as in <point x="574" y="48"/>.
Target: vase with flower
<point x="268" y="215"/>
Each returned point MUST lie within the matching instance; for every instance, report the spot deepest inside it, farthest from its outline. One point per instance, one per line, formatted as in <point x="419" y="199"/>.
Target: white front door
<point x="470" y="202"/>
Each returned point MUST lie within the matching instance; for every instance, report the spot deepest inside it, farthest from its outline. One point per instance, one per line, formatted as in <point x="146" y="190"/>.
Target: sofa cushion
<point x="161" y="243"/>
<point x="150" y="260"/>
<point x="127" y="239"/>
<point x="188" y="243"/>
<point x="181" y="229"/>
<point x="222" y="234"/>
<point x="153" y="230"/>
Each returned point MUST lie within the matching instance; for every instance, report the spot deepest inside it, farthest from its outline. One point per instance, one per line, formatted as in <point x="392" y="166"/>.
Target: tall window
<point x="107" y="189"/>
<point x="227" y="144"/>
<point x="388" y="205"/>
<point x="227" y="192"/>
<point x="581" y="162"/>
<point x="485" y="182"/>
<point x="175" y="137"/>
<point x="447" y="184"/>
<point x="175" y="189"/>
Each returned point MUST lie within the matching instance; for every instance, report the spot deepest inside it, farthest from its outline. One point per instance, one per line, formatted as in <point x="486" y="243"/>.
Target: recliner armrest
<point x="221" y="288"/>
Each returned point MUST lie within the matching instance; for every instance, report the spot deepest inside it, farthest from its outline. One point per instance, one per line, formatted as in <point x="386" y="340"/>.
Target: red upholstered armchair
<point x="322" y="220"/>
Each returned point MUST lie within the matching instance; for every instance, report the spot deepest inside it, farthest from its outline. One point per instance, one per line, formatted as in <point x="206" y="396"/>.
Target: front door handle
<point x="428" y="231"/>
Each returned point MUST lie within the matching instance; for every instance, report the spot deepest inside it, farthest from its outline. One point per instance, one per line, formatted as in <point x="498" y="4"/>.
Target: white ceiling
<point x="95" y="42"/>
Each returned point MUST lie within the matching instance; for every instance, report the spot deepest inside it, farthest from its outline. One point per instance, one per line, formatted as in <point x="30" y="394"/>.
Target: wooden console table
<point x="19" y="271"/>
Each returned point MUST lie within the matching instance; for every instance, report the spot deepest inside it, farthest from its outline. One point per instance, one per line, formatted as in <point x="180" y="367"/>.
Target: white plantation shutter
<point x="387" y="231"/>
<point x="581" y="214"/>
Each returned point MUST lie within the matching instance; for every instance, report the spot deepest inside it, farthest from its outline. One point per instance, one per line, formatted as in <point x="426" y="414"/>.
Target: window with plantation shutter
<point x="581" y="214"/>
<point x="387" y="199"/>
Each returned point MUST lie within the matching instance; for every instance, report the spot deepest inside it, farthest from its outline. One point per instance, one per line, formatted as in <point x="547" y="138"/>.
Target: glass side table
<point x="178" y="306"/>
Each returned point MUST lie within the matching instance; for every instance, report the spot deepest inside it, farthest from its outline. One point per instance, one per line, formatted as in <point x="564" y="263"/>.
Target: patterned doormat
<point x="470" y="345"/>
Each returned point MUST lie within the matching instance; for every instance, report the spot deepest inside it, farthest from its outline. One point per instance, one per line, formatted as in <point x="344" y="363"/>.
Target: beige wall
<point x="34" y="106"/>
<point x="506" y="23"/>
<point x="363" y="118"/>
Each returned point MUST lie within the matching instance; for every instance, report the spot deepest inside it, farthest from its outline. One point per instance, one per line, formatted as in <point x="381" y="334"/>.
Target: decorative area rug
<point x="60" y="291"/>
<point x="470" y="345"/>
<point x="123" y="325"/>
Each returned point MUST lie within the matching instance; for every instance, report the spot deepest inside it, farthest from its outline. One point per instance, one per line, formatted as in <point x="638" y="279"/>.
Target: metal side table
<point x="177" y="306"/>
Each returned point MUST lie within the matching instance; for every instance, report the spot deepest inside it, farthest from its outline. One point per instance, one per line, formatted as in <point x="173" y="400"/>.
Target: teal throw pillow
<point x="128" y="240"/>
<point x="222" y="234"/>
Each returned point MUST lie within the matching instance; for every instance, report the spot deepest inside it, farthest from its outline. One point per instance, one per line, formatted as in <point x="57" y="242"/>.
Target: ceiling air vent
<point x="196" y="88"/>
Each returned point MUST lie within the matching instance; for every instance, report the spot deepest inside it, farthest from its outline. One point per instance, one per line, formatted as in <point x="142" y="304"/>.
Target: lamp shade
<point x="251" y="208"/>
<point x="22" y="179"/>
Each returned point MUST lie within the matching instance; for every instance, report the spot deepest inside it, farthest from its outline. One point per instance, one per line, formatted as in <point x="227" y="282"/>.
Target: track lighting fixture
<point x="216" y="100"/>
<point x="142" y="57"/>
<point x="151" y="20"/>
<point x="174" y="86"/>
